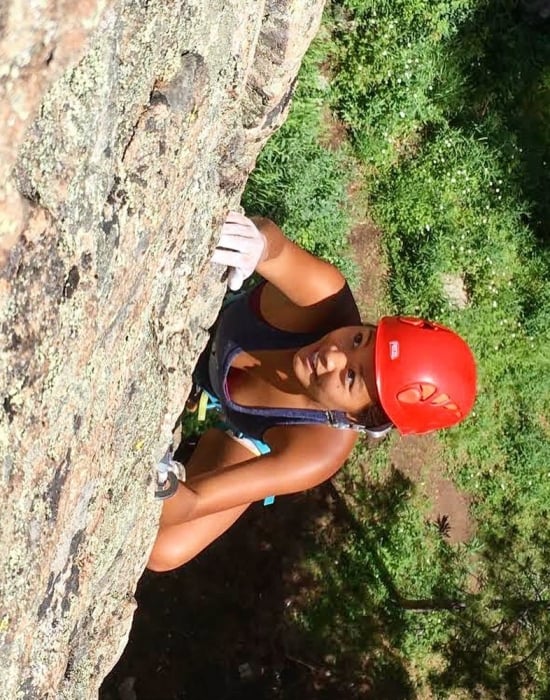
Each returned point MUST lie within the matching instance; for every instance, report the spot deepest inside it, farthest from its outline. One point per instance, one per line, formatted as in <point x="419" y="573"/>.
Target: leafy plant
<point x="298" y="182"/>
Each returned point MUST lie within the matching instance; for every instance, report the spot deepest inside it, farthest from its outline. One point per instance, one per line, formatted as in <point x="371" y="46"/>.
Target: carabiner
<point x="166" y="487"/>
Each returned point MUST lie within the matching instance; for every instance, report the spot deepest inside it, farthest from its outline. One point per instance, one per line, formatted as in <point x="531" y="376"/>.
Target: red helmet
<point x="425" y="374"/>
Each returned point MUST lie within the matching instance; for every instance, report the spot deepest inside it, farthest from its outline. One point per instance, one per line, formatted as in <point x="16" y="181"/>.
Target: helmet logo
<point x="394" y="349"/>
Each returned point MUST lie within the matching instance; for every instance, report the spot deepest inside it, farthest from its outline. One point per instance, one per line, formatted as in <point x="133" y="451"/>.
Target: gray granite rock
<point x="130" y="128"/>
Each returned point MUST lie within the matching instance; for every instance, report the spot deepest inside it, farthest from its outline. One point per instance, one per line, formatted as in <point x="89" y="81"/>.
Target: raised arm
<point x="302" y="277"/>
<point x="259" y="244"/>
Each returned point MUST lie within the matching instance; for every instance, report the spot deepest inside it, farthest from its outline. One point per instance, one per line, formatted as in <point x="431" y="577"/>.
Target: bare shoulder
<point x="303" y="292"/>
<point x="304" y="278"/>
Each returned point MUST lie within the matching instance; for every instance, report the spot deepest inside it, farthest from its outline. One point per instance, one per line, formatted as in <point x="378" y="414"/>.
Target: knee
<point x="157" y="563"/>
<point x="160" y="566"/>
<point x="167" y="557"/>
<point x="171" y="550"/>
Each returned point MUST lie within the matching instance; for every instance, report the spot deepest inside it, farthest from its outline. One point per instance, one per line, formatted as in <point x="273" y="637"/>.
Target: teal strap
<point x="263" y="449"/>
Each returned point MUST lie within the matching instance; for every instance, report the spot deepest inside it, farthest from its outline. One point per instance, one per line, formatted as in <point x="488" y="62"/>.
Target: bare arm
<point x="301" y="277"/>
<point x="301" y="457"/>
<point x="303" y="293"/>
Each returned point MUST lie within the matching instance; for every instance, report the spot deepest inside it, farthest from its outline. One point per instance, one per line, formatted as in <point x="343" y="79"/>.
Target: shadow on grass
<point x="501" y="644"/>
<point x="226" y="626"/>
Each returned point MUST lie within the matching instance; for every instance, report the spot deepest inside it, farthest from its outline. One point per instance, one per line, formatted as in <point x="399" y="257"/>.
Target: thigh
<point x="177" y="544"/>
<point x="216" y="450"/>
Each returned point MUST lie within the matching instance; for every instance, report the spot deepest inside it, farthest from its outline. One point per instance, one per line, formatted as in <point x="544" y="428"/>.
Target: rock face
<point x="128" y="129"/>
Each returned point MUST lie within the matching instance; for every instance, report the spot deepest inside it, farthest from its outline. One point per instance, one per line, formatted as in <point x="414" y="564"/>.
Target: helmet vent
<point x="421" y="392"/>
<point x="418" y="323"/>
<point x="416" y="393"/>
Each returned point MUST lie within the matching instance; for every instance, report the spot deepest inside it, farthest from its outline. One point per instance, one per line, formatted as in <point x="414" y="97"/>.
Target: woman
<point x="294" y="367"/>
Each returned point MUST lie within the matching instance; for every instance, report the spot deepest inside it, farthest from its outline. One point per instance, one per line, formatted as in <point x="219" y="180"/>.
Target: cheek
<point x="334" y="392"/>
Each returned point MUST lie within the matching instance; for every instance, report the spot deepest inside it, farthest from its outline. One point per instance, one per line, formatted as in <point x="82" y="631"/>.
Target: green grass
<point x="447" y="107"/>
<point x="298" y="182"/>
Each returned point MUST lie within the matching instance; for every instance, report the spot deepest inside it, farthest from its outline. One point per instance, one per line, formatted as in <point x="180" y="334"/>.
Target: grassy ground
<point x="446" y="106"/>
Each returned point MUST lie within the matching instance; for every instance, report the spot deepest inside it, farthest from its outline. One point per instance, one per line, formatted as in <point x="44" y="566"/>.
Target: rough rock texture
<point x="128" y="128"/>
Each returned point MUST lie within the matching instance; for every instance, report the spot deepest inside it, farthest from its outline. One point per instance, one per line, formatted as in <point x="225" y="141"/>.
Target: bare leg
<point x="177" y="544"/>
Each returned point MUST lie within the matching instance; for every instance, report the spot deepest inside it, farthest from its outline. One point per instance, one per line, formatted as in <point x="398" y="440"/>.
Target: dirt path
<point x="418" y="458"/>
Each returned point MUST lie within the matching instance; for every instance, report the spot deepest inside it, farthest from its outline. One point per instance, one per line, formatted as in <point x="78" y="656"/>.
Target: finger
<point x="237" y="229"/>
<point x="235" y="217"/>
<point x="235" y="279"/>
<point x="228" y="257"/>
<point x="236" y="242"/>
<point x="240" y="222"/>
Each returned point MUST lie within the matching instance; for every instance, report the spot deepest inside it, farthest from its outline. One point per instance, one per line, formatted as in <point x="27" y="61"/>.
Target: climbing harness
<point x="168" y="473"/>
<point x="207" y="402"/>
<point x="202" y="400"/>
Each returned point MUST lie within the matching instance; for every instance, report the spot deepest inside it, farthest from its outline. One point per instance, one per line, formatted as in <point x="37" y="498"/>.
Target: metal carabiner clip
<point x="167" y="485"/>
<point x="167" y="473"/>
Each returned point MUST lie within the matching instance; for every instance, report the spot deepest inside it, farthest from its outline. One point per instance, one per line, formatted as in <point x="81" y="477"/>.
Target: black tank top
<point x="241" y="327"/>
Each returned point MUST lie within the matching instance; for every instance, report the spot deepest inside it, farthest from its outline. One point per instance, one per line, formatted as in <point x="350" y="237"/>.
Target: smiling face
<point x="337" y="371"/>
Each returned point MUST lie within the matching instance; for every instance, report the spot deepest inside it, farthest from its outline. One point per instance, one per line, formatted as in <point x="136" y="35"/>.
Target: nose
<point x="332" y="359"/>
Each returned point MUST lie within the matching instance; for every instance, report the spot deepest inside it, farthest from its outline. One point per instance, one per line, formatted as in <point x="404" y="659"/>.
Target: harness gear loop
<point x="207" y="402"/>
<point x="166" y="488"/>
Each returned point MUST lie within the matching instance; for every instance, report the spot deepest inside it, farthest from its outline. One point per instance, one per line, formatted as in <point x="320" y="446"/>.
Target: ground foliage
<point x="300" y="183"/>
<point x="447" y="108"/>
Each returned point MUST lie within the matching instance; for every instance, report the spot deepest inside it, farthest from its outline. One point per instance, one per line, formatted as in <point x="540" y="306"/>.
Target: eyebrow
<point x="371" y="333"/>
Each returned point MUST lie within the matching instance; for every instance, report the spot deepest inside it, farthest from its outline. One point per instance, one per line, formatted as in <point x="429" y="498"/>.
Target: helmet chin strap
<point x="377" y="433"/>
<point x="347" y="424"/>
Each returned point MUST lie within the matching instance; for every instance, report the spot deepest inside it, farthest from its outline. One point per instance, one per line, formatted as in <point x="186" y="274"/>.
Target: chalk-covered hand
<point x="241" y="247"/>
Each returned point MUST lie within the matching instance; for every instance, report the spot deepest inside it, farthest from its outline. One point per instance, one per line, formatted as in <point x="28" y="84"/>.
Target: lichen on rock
<point x="131" y="128"/>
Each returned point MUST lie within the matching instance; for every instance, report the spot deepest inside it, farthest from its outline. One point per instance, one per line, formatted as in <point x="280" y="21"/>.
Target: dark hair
<point x="373" y="421"/>
<point x="373" y="416"/>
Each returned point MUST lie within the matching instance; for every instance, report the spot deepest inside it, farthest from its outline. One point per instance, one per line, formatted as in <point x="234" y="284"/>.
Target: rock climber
<point x="299" y="377"/>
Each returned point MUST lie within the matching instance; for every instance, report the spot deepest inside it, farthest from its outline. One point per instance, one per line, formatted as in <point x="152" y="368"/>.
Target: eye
<point x="350" y="377"/>
<point x="357" y="340"/>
